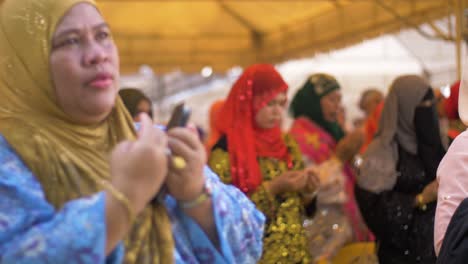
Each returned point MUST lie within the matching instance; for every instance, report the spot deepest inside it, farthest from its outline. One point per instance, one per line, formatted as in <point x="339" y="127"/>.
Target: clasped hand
<point x="141" y="167"/>
<point x="304" y="181"/>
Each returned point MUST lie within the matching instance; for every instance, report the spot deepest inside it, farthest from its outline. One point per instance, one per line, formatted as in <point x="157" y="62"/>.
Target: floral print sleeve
<point x="32" y="231"/>
<point x="239" y="225"/>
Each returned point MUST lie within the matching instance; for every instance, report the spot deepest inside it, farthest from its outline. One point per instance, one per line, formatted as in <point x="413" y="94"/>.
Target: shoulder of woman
<point x="3" y="141"/>
<point x="6" y="151"/>
<point x="455" y="157"/>
<point x="13" y="172"/>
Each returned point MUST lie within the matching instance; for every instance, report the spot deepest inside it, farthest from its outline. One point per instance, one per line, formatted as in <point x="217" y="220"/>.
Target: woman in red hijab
<point x="253" y="155"/>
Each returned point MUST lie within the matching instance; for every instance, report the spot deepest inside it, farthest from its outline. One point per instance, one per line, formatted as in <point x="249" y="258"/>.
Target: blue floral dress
<point x="32" y="231"/>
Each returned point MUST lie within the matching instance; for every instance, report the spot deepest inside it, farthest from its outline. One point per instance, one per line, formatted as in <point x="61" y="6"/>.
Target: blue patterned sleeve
<point x="239" y="226"/>
<point x="31" y="231"/>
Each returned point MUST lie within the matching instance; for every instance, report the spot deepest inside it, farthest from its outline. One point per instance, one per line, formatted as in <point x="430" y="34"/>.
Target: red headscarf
<point x="214" y="134"/>
<point x="258" y="85"/>
<point x="451" y="103"/>
<point x="371" y="126"/>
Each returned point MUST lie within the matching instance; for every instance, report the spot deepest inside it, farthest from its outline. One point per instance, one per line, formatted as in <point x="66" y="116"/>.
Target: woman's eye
<point x="69" y="42"/>
<point x="103" y="35"/>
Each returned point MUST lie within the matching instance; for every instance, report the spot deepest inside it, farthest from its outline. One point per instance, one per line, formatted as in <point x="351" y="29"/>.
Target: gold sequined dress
<point x="284" y="239"/>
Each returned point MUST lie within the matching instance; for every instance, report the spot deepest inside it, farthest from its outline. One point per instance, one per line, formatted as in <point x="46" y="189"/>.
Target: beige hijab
<point x="378" y="171"/>
<point x="69" y="160"/>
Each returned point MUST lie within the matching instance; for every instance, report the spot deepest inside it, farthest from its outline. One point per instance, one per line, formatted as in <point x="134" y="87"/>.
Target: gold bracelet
<point x="124" y="201"/>
<point x="203" y="196"/>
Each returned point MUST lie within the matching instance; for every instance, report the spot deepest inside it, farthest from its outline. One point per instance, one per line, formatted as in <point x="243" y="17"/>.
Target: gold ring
<point x="178" y="162"/>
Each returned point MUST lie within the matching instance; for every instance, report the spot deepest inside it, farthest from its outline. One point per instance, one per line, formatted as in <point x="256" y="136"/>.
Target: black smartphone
<point x="180" y="116"/>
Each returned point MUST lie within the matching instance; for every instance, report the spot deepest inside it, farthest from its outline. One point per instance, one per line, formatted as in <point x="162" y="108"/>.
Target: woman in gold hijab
<point x="75" y="177"/>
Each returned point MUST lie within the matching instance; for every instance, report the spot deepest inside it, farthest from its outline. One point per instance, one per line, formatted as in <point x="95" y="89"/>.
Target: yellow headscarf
<point x="69" y="160"/>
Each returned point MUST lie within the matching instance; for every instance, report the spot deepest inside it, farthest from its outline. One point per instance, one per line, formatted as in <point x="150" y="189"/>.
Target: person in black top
<point x="396" y="189"/>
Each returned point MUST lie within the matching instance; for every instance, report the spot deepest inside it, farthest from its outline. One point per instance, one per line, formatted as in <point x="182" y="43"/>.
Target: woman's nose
<point x="95" y="54"/>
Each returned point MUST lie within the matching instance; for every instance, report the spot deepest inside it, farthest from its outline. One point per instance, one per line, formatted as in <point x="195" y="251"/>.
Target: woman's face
<point x="330" y="105"/>
<point x="271" y="114"/>
<point x="143" y="107"/>
<point x="84" y="65"/>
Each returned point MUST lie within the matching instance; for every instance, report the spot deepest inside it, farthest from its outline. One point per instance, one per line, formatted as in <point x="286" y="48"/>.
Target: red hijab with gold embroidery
<point x="258" y="85"/>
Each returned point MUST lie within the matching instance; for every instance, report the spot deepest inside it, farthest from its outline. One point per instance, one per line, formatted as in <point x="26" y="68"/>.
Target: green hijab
<point x="306" y="102"/>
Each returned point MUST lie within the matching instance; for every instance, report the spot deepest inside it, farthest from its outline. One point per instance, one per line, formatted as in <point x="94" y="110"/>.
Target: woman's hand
<point x="313" y="181"/>
<point x="312" y="185"/>
<point x="429" y="193"/>
<point x="139" y="168"/>
<point x="349" y="146"/>
<point x="186" y="183"/>
<point x="289" y="181"/>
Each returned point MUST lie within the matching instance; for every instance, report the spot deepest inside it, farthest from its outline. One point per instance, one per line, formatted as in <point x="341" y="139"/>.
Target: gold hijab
<point x="69" y="160"/>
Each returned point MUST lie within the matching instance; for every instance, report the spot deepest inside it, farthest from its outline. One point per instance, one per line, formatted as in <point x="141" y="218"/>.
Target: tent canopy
<point x="191" y="34"/>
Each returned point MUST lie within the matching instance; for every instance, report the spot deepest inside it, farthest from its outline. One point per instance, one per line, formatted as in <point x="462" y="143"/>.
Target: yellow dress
<point x="284" y="239"/>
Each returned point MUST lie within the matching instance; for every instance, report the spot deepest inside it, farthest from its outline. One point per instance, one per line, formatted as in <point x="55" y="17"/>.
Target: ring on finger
<point x="177" y="161"/>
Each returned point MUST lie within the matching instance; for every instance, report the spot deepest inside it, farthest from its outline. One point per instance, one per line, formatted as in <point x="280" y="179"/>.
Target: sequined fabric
<point x="284" y="239"/>
<point x="32" y="231"/>
<point x="404" y="233"/>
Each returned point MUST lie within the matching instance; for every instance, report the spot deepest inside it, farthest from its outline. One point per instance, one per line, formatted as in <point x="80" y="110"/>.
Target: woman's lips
<point x="101" y="81"/>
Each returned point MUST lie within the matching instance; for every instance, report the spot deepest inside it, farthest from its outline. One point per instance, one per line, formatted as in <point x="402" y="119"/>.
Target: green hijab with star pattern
<point x="306" y="102"/>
